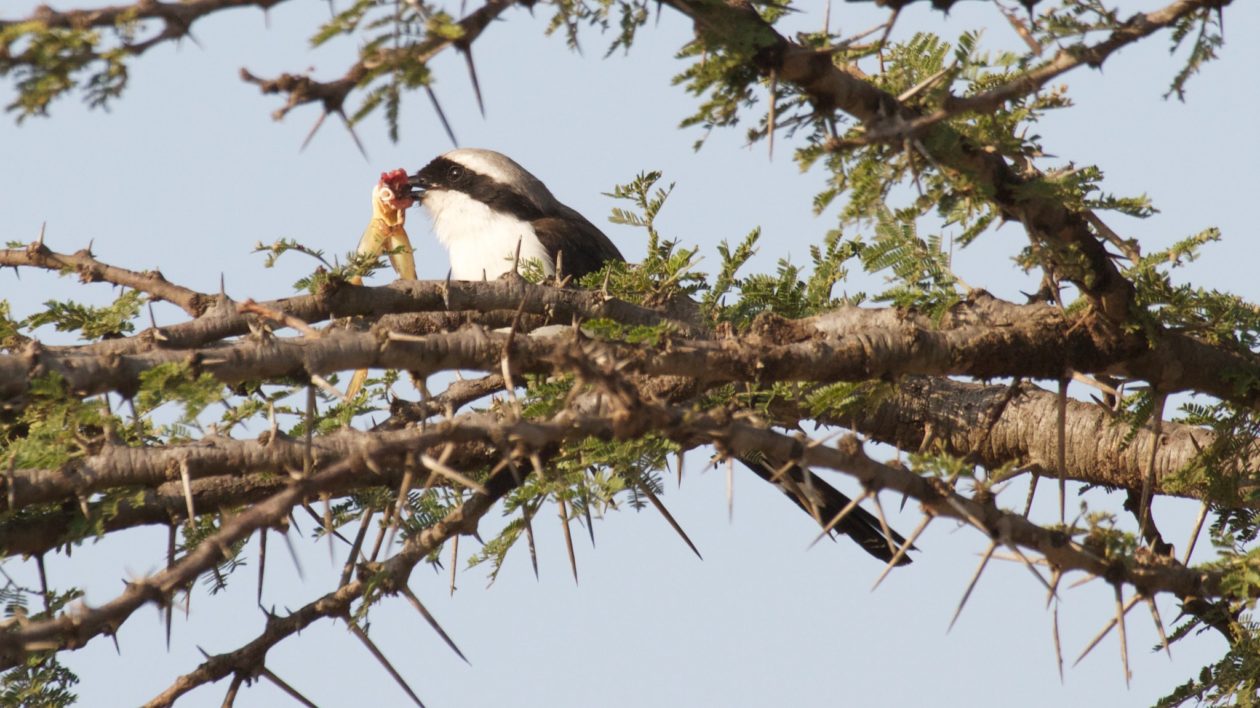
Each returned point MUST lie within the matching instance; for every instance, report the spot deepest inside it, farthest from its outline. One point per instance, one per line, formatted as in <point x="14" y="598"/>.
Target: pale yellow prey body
<point x="386" y="232"/>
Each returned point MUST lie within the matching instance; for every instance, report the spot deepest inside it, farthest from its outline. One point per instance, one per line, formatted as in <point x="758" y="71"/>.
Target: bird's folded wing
<point x="584" y="248"/>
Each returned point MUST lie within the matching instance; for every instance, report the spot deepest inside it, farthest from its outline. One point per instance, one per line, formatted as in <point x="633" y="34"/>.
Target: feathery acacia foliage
<point x="912" y="140"/>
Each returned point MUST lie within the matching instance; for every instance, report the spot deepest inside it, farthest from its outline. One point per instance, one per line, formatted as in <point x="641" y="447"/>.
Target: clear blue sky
<point x="187" y="172"/>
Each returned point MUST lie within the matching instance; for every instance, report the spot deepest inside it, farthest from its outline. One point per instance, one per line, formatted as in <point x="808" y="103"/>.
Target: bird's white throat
<point x="478" y="239"/>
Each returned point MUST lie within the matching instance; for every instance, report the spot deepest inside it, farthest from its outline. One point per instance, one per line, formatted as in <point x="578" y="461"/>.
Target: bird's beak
<point x="418" y="186"/>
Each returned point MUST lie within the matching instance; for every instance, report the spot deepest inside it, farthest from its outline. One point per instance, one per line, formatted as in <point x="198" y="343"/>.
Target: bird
<point x="484" y="206"/>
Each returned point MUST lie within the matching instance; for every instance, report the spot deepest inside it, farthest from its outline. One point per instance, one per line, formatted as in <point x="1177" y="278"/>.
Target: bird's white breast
<point x="480" y="240"/>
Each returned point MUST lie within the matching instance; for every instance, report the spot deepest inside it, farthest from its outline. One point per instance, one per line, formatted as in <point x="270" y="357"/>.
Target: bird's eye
<point x="454" y="172"/>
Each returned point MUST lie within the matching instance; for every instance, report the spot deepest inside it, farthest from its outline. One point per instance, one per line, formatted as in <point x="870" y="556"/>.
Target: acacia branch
<point x="177" y="20"/>
<point x="955" y="418"/>
<point x="1137" y="27"/>
<point x="73" y="629"/>
<point x="450" y="302"/>
<point x="1150" y="575"/>
<point x="91" y="270"/>
<point x="1079" y="254"/>
<point x="301" y="89"/>
<point x="1038" y="343"/>
<point x="386" y="578"/>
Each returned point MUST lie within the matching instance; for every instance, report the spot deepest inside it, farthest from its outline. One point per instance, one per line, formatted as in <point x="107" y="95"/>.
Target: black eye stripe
<point x="443" y="173"/>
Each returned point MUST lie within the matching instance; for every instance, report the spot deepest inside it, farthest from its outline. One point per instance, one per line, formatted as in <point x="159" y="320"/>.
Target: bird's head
<point x="391" y="197"/>
<point x="484" y="176"/>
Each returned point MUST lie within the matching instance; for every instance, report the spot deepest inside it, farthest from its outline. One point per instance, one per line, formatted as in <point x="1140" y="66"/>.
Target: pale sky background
<point x="187" y="172"/>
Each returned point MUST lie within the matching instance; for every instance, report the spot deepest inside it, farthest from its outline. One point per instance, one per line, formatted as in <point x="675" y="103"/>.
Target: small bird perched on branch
<point x="485" y="206"/>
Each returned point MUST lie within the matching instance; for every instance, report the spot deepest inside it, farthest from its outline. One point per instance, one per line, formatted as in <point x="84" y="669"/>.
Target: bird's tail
<point x="823" y="502"/>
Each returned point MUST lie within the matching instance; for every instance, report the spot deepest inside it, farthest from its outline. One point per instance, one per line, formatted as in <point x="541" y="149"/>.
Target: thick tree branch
<point x="451" y="299"/>
<point x="954" y="418"/>
<point x="1150" y="575"/>
<point x="987" y="339"/>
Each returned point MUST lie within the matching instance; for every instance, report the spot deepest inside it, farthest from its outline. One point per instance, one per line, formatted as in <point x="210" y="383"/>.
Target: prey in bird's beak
<point x="393" y="192"/>
<point x="387" y="232"/>
<point x="416" y="186"/>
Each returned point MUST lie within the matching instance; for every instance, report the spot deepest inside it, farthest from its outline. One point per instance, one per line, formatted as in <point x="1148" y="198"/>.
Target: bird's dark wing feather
<point x="823" y="502"/>
<point x="584" y="246"/>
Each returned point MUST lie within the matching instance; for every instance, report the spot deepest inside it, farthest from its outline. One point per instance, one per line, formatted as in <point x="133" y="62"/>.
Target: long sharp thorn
<point x="43" y="578"/>
<point x="1029" y="564"/>
<point x="1032" y="491"/>
<point x="1194" y="535"/>
<point x="772" y="118"/>
<point x="437" y="107"/>
<point x="308" y="455"/>
<point x="314" y="129"/>
<point x="415" y="602"/>
<point x="357" y="547"/>
<point x="680" y="466"/>
<point x="730" y="489"/>
<point x="1159" y="626"/>
<point x="229" y="700"/>
<point x="1148" y="482"/>
<point x="284" y="686"/>
<point x="328" y="526"/>
<point x="472" y="74"/>
<point x="975" y="578"/>
<point x="1061" y="448"/>
<point x="380" y="656"/>
<point x="297" y="564"/>
<point x="568" y="537"/>
<point x="380" y="539"/>
<point x="1121" y="611"/>
<point x="835" y="521"/>
<point x="774" y="478"/>
<point x="440" y="468"/>
<point x="117" y="648"/>
<point x="586" y="514"/>
<point x="656" y="502"/>
<point x="1124" y="639"/>
<point x="186" y="479"/>
<point x="883" y="524"/>
<point x="1053" y="593"/>
<point x="170" y="600"/>
<point x="901" y="552"/>
<point x="1089" y="577"/>
<point x="262" y="561"/>
<point x="320" y="520"/>
<point x="353" y="134"/>
<point x="529" y="538"/>
<point x="404" y="491"/>
<point x="454" y="561"/>
<point x="963" y="512"/>
<point x="1058" y="645"/>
